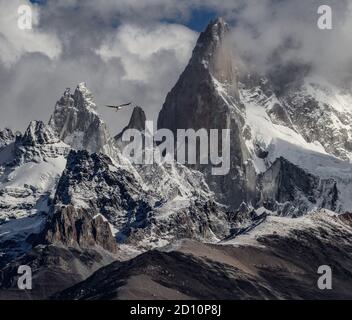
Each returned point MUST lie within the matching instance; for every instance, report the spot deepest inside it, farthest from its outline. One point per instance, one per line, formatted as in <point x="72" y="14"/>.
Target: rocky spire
<point x="77" y="122"/>
<point x="213" y="52"/>
<point x="137" y="122"/>
<point x="206" y="96"/>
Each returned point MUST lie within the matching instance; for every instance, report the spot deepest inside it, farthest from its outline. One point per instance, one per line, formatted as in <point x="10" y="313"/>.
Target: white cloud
<point x="138" y="47"/>
<point x="15" y="42"/>
<point x="290" y="29"/>
<point x="124" y="52"/>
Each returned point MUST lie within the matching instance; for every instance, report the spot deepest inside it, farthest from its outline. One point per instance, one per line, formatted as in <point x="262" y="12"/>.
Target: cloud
<point x="15" y="42"/>
<point x="136" y="49"/>
<point x="138" y="62"/>
<point x="272" y="32"/>
<point x="140" y="49"/>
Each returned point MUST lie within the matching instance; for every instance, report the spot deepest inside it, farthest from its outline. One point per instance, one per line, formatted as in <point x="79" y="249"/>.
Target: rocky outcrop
<point x="68" y="218"/>
<point x="31" y="167"/>
<point x="73" y="227"/>
<point x="6" y="137"/>
<point x="290" y="190"/>
<point x="38" y="133"/>
<point x="137" y="121"/>
<point x="71" y="246"/>
<point x="38" y="143"/>
<point x="316" y="118"/>
<point x="311" y="107"/>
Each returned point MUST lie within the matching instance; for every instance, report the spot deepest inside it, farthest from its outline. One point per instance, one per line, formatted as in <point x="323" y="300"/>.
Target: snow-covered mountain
<point x="76" y="121"/>
<point x="67" y="193"/>
<point x="43" y="176"/>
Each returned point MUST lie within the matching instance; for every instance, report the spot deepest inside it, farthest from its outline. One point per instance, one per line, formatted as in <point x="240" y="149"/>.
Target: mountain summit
<point x="213" y="51"/>
<point x="76" y="121"/>
<point x="206" y="96"/>
<point x="137" y="122"/>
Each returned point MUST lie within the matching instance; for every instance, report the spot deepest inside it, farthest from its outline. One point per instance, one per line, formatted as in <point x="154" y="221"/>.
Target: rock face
<point x="93" y="182"/>
<point x="311" y="107"/>
<point x="140" y="213"/>
<point x="38" y="143"/>
<point x="76" y="228"/>
<point x="137" y="122"/>
<point x="206" y="96"/>
<point x="38" y="133"/>
<point x="317" y="119"/>
<point x="76" y="121"/>
<point x="289" y="190"/>
<point x="303" y="120"/>
<point x="6" y="137"/>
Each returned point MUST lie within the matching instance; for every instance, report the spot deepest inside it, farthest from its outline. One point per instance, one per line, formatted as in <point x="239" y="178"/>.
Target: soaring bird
<point x="119" y="107"/>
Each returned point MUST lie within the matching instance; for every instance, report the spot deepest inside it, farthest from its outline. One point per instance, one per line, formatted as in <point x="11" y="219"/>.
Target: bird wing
<point x="114" y="107"/>
<point x="125" y="104"/>
<point x="119" y="106"/>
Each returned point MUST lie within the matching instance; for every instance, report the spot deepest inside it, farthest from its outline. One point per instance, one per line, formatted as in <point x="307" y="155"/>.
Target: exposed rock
<point x="290" y="190"/>
<point x="30" y="169"/>
<point x="66" y="222"/>
<point x="141" y="214"/>
<point x="311" y="107"/>
<point x="95" y="183"/>
<point x="37" y="133"/>
<point x="137" y="122"/>
<point x="38" y="143"/>
<point x="317" y="119"/>
<point x="6" y="137"/>
<point x="76" y="121"/>
<point x="206" y="96"/>
<point x="76" y="228"/>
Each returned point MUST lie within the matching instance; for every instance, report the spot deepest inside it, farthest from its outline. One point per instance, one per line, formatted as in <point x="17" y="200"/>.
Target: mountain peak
<point x="214" y="33"/>
<point x="38" y="133"/>
<point x="214" y="53"/>
<point x="217" y="28"/>
<point x="6" y="137"/>
<point x="207" y="96"/>
<point x="137" y="121"/>
<point x="77" y="122"/>
<point x="84" y="98"/>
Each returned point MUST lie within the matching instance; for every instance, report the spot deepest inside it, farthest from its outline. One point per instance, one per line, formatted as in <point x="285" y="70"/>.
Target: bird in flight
<point x="119" y="107"/>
